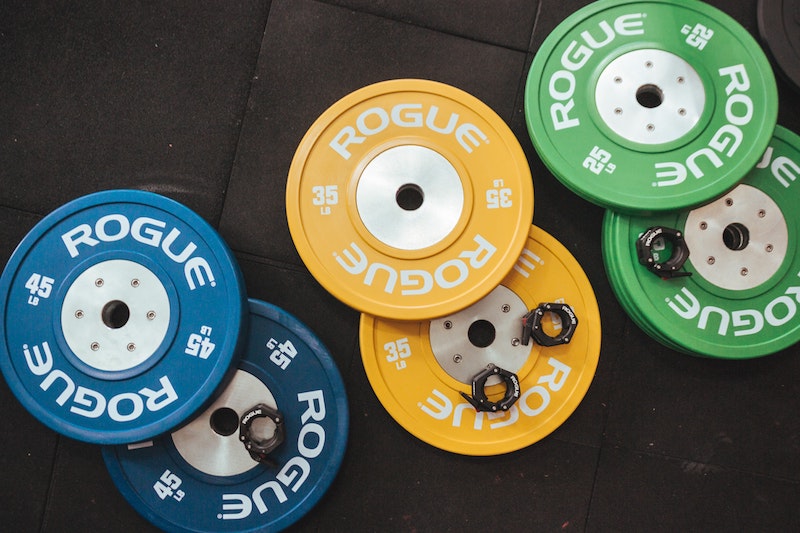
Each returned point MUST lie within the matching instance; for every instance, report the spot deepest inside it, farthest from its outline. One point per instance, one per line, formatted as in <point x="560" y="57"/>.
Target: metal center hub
<point x="650" y="96"/>
<point x="738" y="241"/>
<point x="486" y="332"/>
<point x="115" y="315"/>
<point x="410" y="197"/>
<point x="207" y="445"/>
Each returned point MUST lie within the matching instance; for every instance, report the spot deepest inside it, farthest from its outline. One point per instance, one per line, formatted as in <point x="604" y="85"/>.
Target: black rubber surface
<point x="206" y="102"/>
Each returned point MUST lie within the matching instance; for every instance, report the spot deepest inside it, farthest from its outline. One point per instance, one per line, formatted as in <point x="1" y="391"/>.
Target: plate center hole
<point x="115" y="314"/>
<point x="263" y="429"/>
<point x="736" y="236"/>
<point x="224" y="421"/>
<point x="409" y="197"/>
<point x="649" y="96"/>
<point x="481" y="333"/>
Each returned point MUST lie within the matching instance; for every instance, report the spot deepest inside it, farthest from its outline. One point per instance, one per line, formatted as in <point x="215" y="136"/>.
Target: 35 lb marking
<point x="397" y="351"/>
<point x="325" y="196"/>
<point x="499" y="197"/>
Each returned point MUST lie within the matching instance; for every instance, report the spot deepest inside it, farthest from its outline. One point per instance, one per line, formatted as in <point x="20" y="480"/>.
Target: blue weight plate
<point x="122" y="314"/>
<point x="202" y="478"/>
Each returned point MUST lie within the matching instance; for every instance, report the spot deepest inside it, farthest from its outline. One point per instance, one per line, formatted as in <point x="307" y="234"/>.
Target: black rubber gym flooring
<point x="205" y="102"/>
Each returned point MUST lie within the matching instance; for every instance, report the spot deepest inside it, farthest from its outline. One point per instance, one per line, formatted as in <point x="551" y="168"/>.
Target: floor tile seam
<point x="595" y="477"/>
<point x="266" y="261"/>
<point x="49" y="497"/>
<point x="605" y="443"/>
<point x="428" y="28"/>
<point x="241" y="121"/>
<point x="355" y="355"/>
<point x="24" y="212"/>
<point x="614" y="379"/>
<point x="530" y="49"/>
<point x="608" y="443"/>
<point x="519" y="99"/>
<point x="711" y="464"/>
<point x="577" y="442"/>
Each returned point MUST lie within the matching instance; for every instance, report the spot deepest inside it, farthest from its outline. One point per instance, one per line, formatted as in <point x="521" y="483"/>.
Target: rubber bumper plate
<point x="122" y="315"/>
<point x="650" y="106"/>
<point x="734" y="292"/>
<point x="262" y="455"/>
<point x="500" y="374"/>
<point x="409" y="199"/>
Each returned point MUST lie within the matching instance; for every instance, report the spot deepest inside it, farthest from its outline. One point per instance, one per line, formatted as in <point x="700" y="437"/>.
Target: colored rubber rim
<point x="712" y="313"/>
<point x="165" y="360"/>
<point x="409" y="199"/>
<point x="600" y="87"/>
<point x="178" y="494"/>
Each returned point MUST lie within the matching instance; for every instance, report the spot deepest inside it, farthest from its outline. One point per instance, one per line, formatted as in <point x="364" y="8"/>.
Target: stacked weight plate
<point x="738" y="297"/>
<point x="411" y="201"/>
<point x="125" y="323"/>
<point x="122" y="313"/>
<point x="674" y="107"/>
<point x="261" y="455"/>
<point x="422" y="370"/>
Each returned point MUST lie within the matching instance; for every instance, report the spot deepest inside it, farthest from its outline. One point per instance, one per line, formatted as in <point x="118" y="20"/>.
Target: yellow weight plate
<point x="409" y="199"/>
<point x="418" y="370"/>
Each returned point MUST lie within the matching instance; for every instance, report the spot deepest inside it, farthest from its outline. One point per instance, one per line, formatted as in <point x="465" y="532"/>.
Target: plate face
<point x="740" y="300"/>
<point x="122" y="315"/>
<point x="419" y="370"/>
<point x="201" y="477"/>
<point x="652" y="106"/>
<point x="409" y="199"/>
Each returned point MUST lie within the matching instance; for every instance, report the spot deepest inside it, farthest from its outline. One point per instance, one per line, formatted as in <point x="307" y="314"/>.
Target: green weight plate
<point x="645" y="107"/>
<point x="620" y="288"/>
<point x="741" y="299"/>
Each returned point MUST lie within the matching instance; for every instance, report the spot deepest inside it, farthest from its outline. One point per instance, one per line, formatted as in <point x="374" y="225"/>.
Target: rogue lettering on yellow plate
<point x="448" y="275"/>
<point x="407" y="115"/>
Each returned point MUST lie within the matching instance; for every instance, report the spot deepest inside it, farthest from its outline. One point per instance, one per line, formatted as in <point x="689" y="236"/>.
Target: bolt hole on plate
<point x="741" y="299"/>
<point x="122" y="314"/>
<point x="418" y="369"/>
<point x="202" y="478"/>
<point x="409" y="199"/>
<point x="645" y="107"/>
